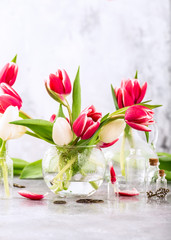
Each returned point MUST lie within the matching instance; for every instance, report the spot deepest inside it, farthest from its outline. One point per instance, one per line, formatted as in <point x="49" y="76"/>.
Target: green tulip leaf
<point x="60" y="112"/>
<point x="40" y="127"/>
<point x="32" y="170"/>
<point x="164" y="154"/>
<point x="114" y="97"/>
<point x="17" y="172"/>
<point x="168" y="175"/>
<point x="76" y="97"/>
<point x="19" y="163"/>
<point x="14" y="60"/>
<point x="149" y="105"/>
<point x="165" y="163"/>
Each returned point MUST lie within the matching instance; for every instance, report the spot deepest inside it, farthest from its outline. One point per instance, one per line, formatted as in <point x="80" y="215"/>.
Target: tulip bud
<point x="58" y="83"/>
<point x="62" y="133"/>
<point x="112" y="130"/>
<point x="8" y="73"/>
<point x="87" y="123"/>
<point x="130" y="92"/>
<point x="7" y="130"/>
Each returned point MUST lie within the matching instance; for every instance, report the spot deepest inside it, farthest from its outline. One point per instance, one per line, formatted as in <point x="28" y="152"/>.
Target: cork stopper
<point x="153" y="161"/>
<point x="161" y="173"/>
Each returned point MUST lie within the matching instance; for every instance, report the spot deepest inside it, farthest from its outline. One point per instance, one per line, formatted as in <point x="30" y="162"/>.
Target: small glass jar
<point x="161" y="181"/>
<point x="136" y="170"/>
<point x="152" y="173"/>
<point x="6" y="175"/>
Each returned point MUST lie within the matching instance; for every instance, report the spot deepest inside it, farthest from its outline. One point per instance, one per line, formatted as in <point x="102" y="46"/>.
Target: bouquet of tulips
<point x="77" y="128"/>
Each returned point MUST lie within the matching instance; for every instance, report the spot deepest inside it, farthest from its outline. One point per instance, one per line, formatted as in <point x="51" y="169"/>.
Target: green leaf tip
<point x="114" y="97"/>
<point x="14" y="60"/>
<point x="76" y="96"/>
<point x="136" y="74"/>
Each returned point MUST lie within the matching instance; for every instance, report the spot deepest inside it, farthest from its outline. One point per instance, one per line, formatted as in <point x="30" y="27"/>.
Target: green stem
<point x="24" y="115"/>
<point x="122" y="155"/>
<point x="4" y="168"/>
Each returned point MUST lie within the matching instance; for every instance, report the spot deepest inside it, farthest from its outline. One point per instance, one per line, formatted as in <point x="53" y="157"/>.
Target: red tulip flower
<point x="52" y="118"/>
<point x="130" y="93"/>
<point x="87" y="123"/>
<point x="59" y="83"/>
<point x="8" y="97"/>
<point x="8" y="73"/>
<point x="139" y="117"/>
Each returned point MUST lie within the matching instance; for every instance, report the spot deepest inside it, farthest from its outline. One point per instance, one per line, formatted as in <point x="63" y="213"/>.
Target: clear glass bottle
<point x="113" y="190"/>
<point x="152" y="173"/>
<point x="136" y="170"/>
<point x="161" y="181"/>
<point x="6" y="175"/>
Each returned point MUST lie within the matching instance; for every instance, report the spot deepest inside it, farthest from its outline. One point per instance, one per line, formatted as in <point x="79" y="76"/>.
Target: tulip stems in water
<point x="68" y="165"/>
<point x="4" y="168"/>
<point x="122" y="155"/>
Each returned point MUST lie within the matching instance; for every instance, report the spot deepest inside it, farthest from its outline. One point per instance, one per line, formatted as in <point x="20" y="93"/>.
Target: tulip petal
<point x="105" y="145"/>
<point x="112" y="130"/>
<point x="30" y="195"/>
<point x="112" y="175"/>
<point x="62" y="133"/>
<point x="129" y="88"/>
<point x="143" y="92"/>
<point x="129" y="193"/>
<point x="79" y="124"/>
<point x="3" y="73"/>
<point x="90" y="131"/>
<point x="66" y="82"/>
<point x="6" y="89"/>
<point x="120" y="98"/>
<point x="6" y="101"/>
<point x="127" y="98"/>
<point x="52" y="118"/>
<point x="137" y="126"/>
<point x="55" y="84"/>
<point x="137" y="90"/>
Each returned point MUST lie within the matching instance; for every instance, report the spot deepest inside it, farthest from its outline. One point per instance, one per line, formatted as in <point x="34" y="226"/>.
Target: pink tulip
<point x="8" y="97"/>
<point x="112" y="175"/>
<point x="59" y="83"/>
<point x="130" y="92"/>
<point x="87" y="123"/>
<point x="139" y="117"/>
<point x="8" y="73"/>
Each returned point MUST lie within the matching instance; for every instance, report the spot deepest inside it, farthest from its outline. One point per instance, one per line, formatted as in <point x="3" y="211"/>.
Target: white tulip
<point x="112" y="130"/>
<point x="62" y="133"/>
<point x="7" y="130"/>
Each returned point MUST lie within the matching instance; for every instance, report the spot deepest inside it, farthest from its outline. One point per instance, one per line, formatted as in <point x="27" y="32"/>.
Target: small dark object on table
<point x="59" y="202"/>
<point x="18" y="186"/>
<point x="89" y="201"/>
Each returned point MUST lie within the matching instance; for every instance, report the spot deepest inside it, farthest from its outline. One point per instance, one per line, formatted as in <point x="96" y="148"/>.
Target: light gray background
<point x="108" y="39"/>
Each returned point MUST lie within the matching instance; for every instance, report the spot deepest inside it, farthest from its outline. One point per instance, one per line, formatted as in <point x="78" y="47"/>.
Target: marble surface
<point x="128" y="218"/>
<point x="109" y="39"/>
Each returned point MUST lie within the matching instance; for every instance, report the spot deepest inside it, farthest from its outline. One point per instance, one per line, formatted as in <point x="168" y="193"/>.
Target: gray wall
<point x="108" y="39"/>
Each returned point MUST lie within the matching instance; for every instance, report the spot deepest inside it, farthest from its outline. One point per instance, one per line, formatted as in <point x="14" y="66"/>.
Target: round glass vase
<point x="6" y="174"/>
<point x="71" y="171"/>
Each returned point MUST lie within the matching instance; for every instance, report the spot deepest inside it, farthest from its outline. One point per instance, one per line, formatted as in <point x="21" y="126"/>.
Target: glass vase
<point x="6" y="173"/>
<point x="74" y="170"/>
